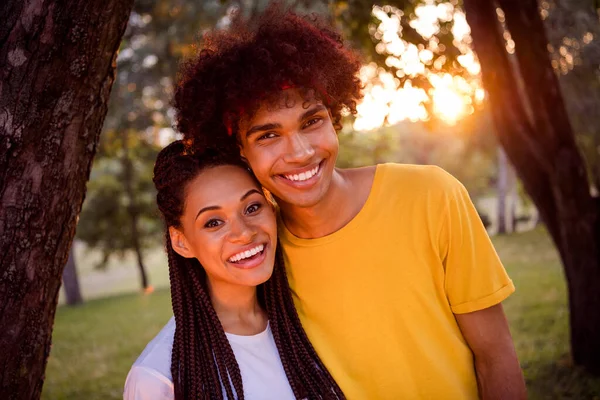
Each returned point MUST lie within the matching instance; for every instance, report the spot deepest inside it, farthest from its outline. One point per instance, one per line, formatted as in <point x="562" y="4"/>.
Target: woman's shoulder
<point x="144" y="383"/>
<point x="151" y="372"/>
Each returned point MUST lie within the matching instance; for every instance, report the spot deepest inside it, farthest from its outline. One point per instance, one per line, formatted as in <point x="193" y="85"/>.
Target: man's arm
<point x="499" y="375"/>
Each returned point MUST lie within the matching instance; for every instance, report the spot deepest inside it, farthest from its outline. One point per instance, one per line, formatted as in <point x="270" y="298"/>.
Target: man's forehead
<point x="284" y="104"/>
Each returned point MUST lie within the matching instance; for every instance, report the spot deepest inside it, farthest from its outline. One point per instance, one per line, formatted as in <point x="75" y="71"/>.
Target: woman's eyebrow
<point x="249" y="192"/>
<point x="209" y="208"/>
<point x="212" y="208"/>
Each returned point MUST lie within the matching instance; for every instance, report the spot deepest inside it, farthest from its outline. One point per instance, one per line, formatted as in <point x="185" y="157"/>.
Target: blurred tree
<point x="464" y="150"/>
<point x="119" y="214"/>
<point x="57" y="72"/>
<point x="120" y="211"/>
<point x="573" y="29"/>
<point x="70" y="280"/>
<point x="537" y="136"/>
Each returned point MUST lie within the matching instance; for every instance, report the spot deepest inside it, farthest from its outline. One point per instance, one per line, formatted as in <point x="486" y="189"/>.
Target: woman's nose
<point x="241" y="231"/>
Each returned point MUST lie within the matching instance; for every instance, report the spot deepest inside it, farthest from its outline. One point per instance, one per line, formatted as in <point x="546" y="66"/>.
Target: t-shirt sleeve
<point x="475" y="278"/>
<point x="147" y="384"/>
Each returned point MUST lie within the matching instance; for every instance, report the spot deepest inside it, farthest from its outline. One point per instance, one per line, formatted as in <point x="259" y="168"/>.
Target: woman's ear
<point x="179" y="243"/>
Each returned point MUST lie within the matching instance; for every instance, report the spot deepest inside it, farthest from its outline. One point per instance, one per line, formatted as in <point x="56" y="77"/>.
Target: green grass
<point x="95" y="344"/>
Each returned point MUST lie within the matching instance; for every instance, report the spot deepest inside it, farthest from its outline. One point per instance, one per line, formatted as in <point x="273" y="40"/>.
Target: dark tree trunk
<point x="542" y="148"/>
<point x="581" y="85"/>
<point x="132" y="208"/>
<point x="71" y="281"/>
<point x="57" y="62"/>
<point x="502" y="189"/>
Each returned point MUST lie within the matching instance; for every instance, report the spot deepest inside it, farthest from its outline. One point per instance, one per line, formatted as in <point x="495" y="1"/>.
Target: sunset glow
<point x="389" y="100"/>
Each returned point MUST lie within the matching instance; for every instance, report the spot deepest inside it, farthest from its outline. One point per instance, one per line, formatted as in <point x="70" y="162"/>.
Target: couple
<point x="370" y="283"/>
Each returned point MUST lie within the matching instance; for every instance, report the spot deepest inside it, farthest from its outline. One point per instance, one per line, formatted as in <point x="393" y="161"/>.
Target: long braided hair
<point x="202" y="361"/>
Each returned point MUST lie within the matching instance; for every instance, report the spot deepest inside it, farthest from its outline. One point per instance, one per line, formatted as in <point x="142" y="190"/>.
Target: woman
<point x="233" y="311"/>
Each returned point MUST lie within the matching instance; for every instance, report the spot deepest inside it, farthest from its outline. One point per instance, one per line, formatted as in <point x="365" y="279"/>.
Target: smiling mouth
<point x="248" y="255"/>
<point x="303" y="176"/>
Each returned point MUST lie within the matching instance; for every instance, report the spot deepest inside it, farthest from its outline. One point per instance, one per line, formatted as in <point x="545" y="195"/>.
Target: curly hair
<point x="201" y="353"/>
<point x="239" y="68"/>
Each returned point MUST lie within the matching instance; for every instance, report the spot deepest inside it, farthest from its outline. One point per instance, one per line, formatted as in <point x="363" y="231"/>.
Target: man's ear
<point x="242" y="154"/>
<point x="179" y="243"/>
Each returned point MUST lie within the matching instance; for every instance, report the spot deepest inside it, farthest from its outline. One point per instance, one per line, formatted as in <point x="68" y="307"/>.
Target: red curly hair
<point x="251" y="62"/>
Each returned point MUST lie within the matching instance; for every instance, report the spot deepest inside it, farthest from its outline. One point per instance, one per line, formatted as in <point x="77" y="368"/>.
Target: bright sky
<point x="451" y="97"/>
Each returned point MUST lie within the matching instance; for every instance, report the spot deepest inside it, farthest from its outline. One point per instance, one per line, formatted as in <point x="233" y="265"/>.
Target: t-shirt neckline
<point x="286" y="236"/>
<point x="248" y="338"/>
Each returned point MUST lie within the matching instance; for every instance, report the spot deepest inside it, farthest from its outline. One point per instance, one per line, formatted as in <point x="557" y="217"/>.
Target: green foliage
<point x="105" y="220"/>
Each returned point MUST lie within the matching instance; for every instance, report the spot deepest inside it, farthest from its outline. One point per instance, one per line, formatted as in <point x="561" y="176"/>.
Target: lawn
<point x="95" y="344"/>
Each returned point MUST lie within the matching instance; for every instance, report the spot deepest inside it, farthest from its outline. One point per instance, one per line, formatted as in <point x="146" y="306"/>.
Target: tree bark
<point x="57" y="70"/>
<point x="132" y="208"/>
<point x="71" y="281"/>
<point x="542" y="148"/>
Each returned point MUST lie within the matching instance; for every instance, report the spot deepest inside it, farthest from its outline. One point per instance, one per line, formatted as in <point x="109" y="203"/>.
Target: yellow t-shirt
<point x="377" y="298"/>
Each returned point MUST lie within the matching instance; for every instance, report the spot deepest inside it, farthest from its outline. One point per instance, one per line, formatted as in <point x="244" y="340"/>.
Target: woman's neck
<point x="238" y="309"/>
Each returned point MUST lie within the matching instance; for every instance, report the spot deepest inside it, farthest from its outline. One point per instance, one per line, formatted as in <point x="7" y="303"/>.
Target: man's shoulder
<point x="407" y="179"/>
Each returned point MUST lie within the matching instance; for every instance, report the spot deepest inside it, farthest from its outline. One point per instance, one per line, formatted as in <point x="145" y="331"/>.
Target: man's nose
<point x="299" y="149"/>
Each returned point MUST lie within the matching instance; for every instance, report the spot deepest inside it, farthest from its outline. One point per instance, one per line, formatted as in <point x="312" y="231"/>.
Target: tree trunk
<point x="542" y="148"/>
<point x="57" y="62"/>
<point x="71" y="281"/>
<point x="570" y="21"/>
<point x="132" y="208"/>
<point x="502" y="189"/>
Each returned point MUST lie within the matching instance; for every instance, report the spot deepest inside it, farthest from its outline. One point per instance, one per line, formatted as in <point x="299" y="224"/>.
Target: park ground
<point x="95" y="344"/>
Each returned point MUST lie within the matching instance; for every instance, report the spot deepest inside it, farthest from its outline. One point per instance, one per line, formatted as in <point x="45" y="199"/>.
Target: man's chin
<point x="308" y="201"/>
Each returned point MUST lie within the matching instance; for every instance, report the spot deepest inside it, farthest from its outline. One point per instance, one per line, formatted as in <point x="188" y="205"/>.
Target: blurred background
<point x="425" y="103"/>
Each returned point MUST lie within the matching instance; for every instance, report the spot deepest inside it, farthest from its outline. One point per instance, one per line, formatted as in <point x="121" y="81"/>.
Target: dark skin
<point x="281" y="145"/>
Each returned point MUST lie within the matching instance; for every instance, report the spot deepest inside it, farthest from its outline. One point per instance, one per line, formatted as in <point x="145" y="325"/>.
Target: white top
<point x="262" y="373"/>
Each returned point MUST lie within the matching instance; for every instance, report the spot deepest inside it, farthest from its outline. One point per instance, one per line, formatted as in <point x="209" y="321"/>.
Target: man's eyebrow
<point x="312" y="111"/>
<point x="267" y="127"/>
<point x="209" y="208"/>
<point x="261" y="128"/>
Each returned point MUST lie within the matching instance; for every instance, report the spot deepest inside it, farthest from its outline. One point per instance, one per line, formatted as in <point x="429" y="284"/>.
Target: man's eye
<point x="212" y="223"/>
<point x="312" y="121"/>
<point x="253" y="208"/>
<point x="267" y="135"/>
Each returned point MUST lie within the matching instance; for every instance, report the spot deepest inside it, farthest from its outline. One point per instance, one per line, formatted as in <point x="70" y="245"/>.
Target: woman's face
<point x="229" y="226"/>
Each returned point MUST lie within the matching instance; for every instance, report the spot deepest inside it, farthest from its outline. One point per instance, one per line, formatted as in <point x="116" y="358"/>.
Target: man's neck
<point x="332" y="213"/>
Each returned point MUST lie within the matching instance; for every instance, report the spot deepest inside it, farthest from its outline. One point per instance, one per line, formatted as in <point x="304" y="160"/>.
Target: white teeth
<point x="247" y="253"/>
<point x="303" y="175"/>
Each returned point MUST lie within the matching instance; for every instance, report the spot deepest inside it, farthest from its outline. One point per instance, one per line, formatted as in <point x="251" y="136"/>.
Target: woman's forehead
<point x="221" y="183"/>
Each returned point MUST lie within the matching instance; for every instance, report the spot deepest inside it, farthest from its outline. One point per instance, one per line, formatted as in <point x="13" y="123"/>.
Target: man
<point x="395" y="279"/>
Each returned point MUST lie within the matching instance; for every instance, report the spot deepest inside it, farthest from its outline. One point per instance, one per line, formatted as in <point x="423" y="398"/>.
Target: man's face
<point x="292" y="149"/>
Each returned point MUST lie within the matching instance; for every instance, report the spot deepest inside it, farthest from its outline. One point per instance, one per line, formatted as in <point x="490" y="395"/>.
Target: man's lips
<point x="303" y="177"/>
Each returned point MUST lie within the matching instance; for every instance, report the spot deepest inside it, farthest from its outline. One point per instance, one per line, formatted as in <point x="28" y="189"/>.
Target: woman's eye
<point x="253" y="208"/>
<point x="267" y="135"/>
<point x="213" y="223"/>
